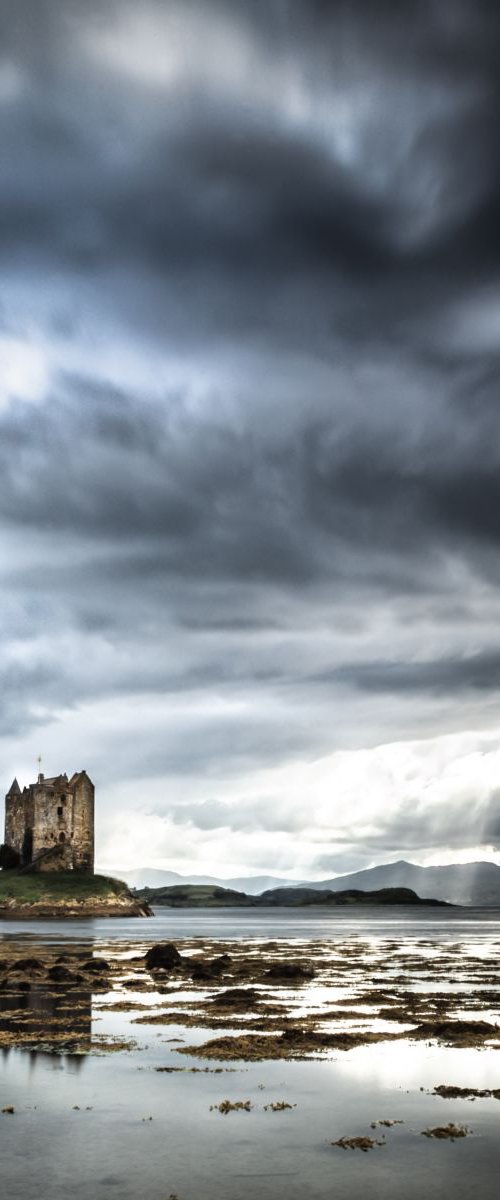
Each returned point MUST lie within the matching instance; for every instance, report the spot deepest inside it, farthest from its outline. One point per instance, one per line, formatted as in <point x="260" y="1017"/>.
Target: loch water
<point x="92" y="1126"/>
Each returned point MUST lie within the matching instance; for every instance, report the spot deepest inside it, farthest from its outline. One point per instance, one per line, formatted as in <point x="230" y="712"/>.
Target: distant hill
<point x="252" y="885"/>
<point x="298" y="896"/>
<point x="192" y="895"/>
<point x="460" y="883"/>
<point x="203" y="896"/>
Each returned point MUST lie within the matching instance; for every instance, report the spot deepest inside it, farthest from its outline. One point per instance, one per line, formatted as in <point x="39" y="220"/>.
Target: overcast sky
<point x="249" y="425"/>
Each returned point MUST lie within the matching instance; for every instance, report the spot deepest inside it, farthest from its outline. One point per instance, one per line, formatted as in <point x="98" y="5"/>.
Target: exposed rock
<point x="97" y="965"/>
<point x="450" y="1092"/>
<point x="447" y="1131"/>
<point x="293" y="1043"/>
<point x="60" y="974"/>
<point x="206" y="971"/>
<point x="290" y="972"/>
<point x="28" y="966"/>
<point x="163" y="956"/>
<point x="357" y="1143"/>
<point x="227" y="1106"/>
<point x="21" y="985"/>
<point x="241" y="998"/>
<point x="457" y="1033"/>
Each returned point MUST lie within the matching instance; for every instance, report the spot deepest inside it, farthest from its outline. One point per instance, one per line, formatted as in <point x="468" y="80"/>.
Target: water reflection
<point x="46" y="1001"/>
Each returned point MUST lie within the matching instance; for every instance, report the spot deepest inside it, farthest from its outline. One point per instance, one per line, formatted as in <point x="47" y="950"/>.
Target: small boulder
<point x="27" y="966"/>
<point x="62" y="975"/>
<point x="221" y="964"/>
<point x="242" y="998"/>
<point x="289" y="972"/>
<point x="206" y="972"/>
<point x="97" y="965"/>
<point x="163" y="956"/>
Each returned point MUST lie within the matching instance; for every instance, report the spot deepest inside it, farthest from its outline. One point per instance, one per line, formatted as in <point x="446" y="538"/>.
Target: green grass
<point x="57" y="885"/>
<point x="189" y="895"/>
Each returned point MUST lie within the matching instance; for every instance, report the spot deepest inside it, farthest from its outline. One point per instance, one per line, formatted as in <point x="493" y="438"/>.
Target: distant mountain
<point x="202" y="896"/>
<point x="459" y="883"/>
<point x="252" y="885"/>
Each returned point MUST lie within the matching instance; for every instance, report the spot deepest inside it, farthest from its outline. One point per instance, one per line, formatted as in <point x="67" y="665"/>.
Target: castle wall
<point x="15" y="822"/>
<point x="54" y="812"/>
<point x="83" y="824"/>
<point x="53" y="816"/>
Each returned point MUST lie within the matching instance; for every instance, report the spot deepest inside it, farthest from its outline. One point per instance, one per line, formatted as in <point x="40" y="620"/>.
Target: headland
<point x="34" y="895"/>
<point x="208" y="896"/>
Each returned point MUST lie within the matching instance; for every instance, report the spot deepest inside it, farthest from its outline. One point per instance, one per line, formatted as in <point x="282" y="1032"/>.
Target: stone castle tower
<point x="51" y="823"/>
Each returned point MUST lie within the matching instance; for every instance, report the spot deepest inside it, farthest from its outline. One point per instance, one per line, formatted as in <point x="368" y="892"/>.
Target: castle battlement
<point x="50" y="823"/>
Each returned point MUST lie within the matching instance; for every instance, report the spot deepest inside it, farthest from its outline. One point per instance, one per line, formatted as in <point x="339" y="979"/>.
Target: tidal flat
<point x="307" y="1055"/>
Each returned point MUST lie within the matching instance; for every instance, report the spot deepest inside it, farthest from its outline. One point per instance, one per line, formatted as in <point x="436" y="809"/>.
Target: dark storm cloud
<point x="95" y="176"/>
<point x="253" y="460"/>
<point x="101" y="463"/>
<point x="165" y="503"/>
<point x="479" y="672"/>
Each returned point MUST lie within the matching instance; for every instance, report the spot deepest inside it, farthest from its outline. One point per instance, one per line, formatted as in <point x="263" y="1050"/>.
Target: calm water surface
<point x="81" y="1127"/>
<point x="231" y="923"/>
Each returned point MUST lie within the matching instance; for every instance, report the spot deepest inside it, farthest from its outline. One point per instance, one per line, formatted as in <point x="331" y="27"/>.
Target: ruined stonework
<point x="51" y="823"/>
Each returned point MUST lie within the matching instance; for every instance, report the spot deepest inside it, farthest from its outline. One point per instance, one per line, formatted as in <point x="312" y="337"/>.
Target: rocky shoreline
<point x="81" y="910"/>
<point x="254" y="1000"/>
<point x="62" y="895"/>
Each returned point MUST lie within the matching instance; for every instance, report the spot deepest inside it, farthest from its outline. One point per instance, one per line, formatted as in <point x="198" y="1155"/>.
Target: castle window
<point x="60" y="810"/>
<point x="62" y="837"/>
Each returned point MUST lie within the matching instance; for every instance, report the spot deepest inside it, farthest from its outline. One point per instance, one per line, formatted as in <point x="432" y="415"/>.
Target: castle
<point x="50" y="824"/>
